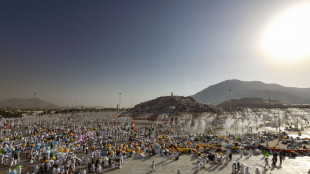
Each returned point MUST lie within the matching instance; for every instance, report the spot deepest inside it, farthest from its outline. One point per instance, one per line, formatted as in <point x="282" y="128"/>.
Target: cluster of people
<point x="76" y="144"/>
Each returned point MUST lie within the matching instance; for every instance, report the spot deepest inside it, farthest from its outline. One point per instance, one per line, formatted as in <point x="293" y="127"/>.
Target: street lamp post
<point x="297" y="118"/>
<point x="279" y="122"/>
<point x="229" y="99"/>
<point x="119" y="102"/>
<point x="256" y="128"/>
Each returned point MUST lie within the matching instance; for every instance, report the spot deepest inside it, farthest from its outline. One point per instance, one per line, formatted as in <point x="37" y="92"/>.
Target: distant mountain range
<point x="25" y="103"/>
<point x="215" y="94"/>
<point x="219" y="93"/>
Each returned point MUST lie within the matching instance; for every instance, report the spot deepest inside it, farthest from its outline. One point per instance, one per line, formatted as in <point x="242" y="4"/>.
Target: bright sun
<point x="287" y="37"/>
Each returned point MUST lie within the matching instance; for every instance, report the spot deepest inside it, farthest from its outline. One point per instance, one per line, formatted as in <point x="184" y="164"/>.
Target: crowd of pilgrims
<point x="75" y="144"/>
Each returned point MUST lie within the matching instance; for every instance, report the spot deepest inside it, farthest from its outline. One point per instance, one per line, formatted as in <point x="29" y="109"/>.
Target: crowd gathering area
<point x="105" y="142"/>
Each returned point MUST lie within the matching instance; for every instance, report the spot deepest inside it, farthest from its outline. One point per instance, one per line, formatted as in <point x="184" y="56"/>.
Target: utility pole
<point x="256" y="128"/>
<point x="34" y="103"/>
<point x="297" y="122"/>
<point x="242" y="119"/>
<point x="279" y="122"/>
<point x="229" y="99"/>
<point x="297" y="119"/>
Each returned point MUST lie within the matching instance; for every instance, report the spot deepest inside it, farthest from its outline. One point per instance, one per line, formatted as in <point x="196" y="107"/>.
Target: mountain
<point x="25" y="103"/>
<point x="219" y="93"/>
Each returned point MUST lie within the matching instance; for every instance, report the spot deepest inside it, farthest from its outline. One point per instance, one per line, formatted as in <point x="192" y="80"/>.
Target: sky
<point x="87" y="52"/>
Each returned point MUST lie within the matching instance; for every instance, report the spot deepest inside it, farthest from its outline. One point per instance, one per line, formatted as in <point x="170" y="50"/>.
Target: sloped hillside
<point x="168" y="104"/>
<point x="219" y="93"/>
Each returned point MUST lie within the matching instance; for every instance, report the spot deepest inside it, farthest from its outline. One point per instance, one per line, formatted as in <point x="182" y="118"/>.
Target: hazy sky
<point x="89" y="51"/>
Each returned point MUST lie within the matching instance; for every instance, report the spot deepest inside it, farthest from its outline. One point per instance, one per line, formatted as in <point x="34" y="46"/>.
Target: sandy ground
<point x="187" y="164"/>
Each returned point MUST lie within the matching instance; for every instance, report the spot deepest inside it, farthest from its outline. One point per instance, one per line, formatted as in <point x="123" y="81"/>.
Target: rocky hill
<point x="168" y="104"/>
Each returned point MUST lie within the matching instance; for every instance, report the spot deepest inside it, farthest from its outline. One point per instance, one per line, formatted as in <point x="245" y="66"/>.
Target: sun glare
<point x="287" y="37"/>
